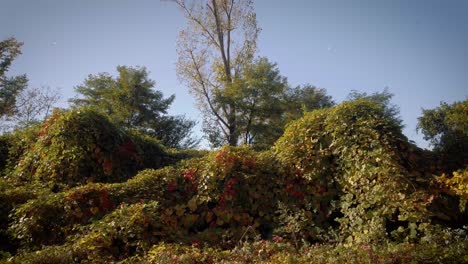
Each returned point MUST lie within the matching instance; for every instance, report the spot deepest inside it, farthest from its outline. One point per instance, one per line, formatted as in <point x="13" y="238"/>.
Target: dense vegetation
<point x="295" y="178"/>
<point x="342" y="184"/>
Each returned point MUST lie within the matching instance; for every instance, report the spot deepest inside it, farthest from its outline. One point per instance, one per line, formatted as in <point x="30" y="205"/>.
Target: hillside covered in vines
<point x="341" y="184"/>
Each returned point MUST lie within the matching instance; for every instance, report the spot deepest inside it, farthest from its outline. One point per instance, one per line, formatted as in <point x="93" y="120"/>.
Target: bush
<point x="81" y="146"/>
<point x="10" y="197"/>
<point x="344" y="177"/>
<point x="60" y="213"/>
<point x="14" y="145"/>
<point x="211" y="199"/>
<point x="4" y="147"/>
<point x="127" y="231"/>
<point x="356" y="151"/>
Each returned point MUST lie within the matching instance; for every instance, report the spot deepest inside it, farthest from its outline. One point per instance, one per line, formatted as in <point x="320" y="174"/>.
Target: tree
<point x="383" y="99"/>
<point x="214" y="50"/>
<point x="175" y="131"/>
<point x="446" y="128"/>
<point x="32" y="105"/>
<point x="10" y="87"/>
<point x="306" y="98"/>
<point x="260" y="102"/>
<point x="131" y="102"/>
<point x="266" y="103"/>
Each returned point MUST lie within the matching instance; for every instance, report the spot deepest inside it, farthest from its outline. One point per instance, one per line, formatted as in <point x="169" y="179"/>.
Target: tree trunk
<point x="233" y="135"/>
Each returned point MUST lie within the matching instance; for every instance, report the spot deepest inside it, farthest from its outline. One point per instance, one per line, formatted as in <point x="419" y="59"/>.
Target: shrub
<point x="358" y="153"/>
<point x="4" y="147"/>
<point x="14" y="145"/>
<point x="450" y="195"/>
<point x="127" y="231"/>
<point x="10" y="197"/>
<point x="59" y="213"/>
<point x="344" y="177"/>
<point x="80" y="146"/>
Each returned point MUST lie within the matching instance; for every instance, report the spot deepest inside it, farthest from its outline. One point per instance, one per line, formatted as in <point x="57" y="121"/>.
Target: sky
<point x="416" y="48"/>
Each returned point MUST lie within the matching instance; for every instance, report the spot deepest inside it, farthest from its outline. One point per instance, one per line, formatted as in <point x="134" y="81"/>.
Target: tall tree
<point x="260" y="96"/>
<point x="131" y="102"/>
<point x="266" y="103"/>
<point x="10" y="87"/>
<point x="218" y="44"/>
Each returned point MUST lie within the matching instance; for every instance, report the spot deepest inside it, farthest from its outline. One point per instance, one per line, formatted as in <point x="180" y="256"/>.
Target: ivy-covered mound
<point x="80" y="146"/>
<point x="385" y="187"/>
<point x="344" y="177"/>
<point x="70" y="148"/>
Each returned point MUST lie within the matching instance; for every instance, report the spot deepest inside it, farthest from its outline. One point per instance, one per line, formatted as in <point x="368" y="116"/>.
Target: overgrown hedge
<point x="344" y="176"/>
<point x="384" y="183"/>
<point x="79" y="146"/>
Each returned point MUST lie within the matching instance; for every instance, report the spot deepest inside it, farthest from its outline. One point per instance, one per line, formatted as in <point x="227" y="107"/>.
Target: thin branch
<point x="188" y="12"/>
<point x="205" y="90"/>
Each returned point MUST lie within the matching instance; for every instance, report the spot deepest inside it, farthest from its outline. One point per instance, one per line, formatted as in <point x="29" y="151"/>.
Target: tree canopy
<point x="446" y="128"/>
<point x="10" y="87"/>
<point x="381" y="98"/>
<point x="219" y="43"/>
<point x="130" y="101"/>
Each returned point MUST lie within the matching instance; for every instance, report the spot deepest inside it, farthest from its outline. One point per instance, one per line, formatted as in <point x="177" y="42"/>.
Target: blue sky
<point x="416" y="48"/>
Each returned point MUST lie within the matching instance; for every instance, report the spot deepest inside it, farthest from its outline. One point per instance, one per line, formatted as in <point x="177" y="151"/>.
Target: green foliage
<point x="259" y="97"/>
<point x="10" y="197"/>
<point x="130" y="101"/>
<point x="305" y="98"/>
<point x="344" y="177"/>
<point x="219" y="42"/>
<point x="356" y="151"/>
<point x="10" y="87"/>
<point x="446" y="128"/>
<point x="81" y="146"/>
<point x="451" y="207"/>
<point x="73" y="148"/>
<point x="264" y="104"/>
<point x="32" y="221"/>
<point x="127" y="231"/>
<point x="381" y="98"/>
<point x="455" y="246"/>
<point x="457" y="184"/>
<point x="15" y="145"/>
<point x="4" y="147"/>
<point x="377" y="187"/>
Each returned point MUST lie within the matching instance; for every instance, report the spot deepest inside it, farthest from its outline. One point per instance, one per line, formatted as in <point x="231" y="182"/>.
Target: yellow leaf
<point x="180" y="210"/>
<point x="192" y="204"/>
